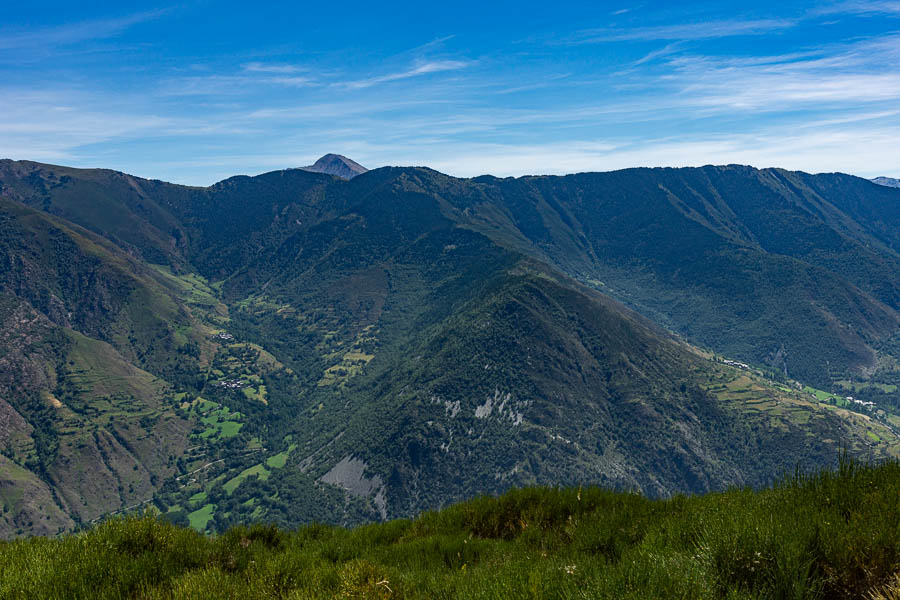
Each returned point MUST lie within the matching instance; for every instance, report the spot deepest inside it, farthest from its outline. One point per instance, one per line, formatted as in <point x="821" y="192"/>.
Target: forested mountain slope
<point x="801" y="272"/>
<point x="296" y="346"/>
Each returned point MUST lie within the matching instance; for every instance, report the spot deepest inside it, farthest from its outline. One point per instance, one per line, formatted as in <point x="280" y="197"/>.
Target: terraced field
<point x="787" y="407"/>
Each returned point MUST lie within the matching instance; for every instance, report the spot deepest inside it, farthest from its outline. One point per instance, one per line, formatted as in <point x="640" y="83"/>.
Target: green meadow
<point x="831" y="534"/>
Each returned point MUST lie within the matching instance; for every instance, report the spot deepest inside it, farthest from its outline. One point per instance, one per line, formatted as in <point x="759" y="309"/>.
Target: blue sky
<point x="198" y="91"/>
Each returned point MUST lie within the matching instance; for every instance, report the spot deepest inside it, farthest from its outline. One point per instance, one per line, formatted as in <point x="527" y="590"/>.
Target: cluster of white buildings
<point x="734" y="363"/>
<point x="231" y="384"/>
<point x="860" y="402"/>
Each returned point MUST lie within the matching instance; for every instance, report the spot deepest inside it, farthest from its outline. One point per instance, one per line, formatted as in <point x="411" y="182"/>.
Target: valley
<point x="296" y="347"/>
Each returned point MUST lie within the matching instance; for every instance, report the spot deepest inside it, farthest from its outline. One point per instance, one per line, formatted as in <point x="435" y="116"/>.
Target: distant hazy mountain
<point x="298" y="347"/>
<point x="888" y="181"/>
<point x="335" y="164"/>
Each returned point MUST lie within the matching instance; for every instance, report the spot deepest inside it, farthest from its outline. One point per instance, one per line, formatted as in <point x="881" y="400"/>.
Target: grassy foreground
<point x="828" y="535"/>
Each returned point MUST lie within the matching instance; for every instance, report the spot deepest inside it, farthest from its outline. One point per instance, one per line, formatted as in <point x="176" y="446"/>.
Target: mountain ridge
<point x="871" y="249"/>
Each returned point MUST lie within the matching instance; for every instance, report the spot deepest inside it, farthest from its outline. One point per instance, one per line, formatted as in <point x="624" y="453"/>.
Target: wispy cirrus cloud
<point x="72" y="33"/>
<point x="260" y="67"/>
<point x="860" y="7"/>
<point x="683" y="31"/>
<point x="53" y="124"/>
<point x="848" y="76"/>
<point x="231" y="85"/>
<point x="285" y="75"/>
<point x="666" y="50"/>
<point x="430" y="45"/>
<point x="423" y="68"/>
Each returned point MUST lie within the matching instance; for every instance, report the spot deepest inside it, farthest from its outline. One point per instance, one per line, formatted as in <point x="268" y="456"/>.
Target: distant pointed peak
<point x="336" y="164"/>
